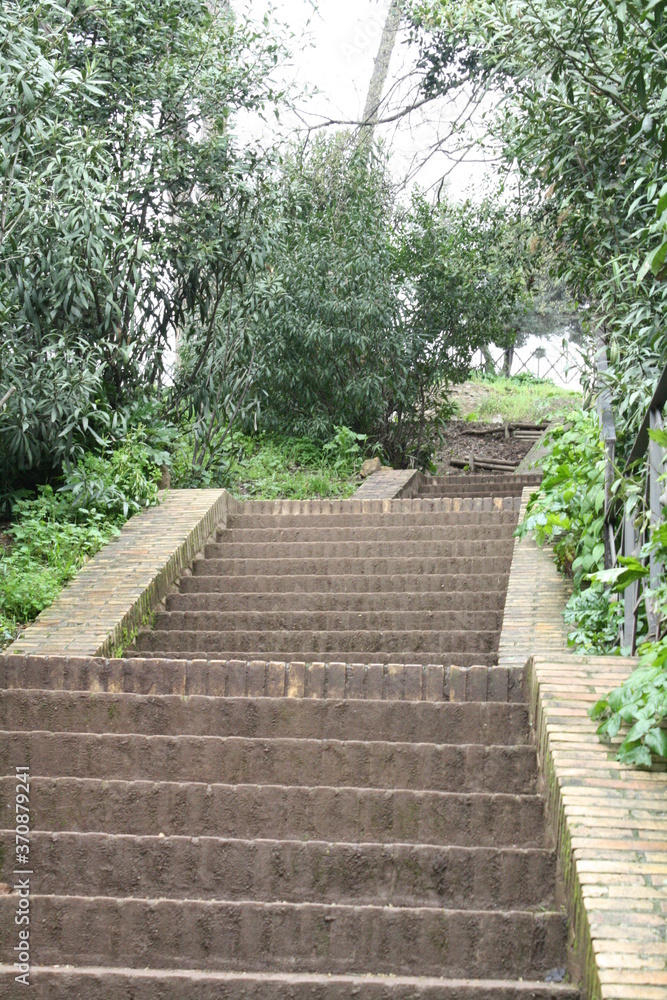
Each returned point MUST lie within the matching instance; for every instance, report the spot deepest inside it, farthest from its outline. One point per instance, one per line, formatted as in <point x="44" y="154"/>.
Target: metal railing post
<point x="656" y="467"/>
<point x="608" y="431"/>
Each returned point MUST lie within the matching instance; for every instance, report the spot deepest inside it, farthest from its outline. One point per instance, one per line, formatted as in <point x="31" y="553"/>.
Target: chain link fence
<point x="559" y="361"/>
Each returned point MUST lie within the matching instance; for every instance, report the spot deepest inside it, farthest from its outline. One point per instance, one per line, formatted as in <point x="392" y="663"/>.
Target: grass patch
<point x="271" y="468"/>
<point x="522" y="399"/>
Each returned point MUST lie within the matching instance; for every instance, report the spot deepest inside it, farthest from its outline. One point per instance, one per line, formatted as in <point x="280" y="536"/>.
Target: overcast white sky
<point x="341" y="39"/>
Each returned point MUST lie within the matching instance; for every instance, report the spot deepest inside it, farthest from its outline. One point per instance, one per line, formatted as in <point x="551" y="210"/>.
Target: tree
<point x="380" y="72"/>
<point x="578" y="113"/>
<point x="372" y="310"/>
<point x="129" y="212"/>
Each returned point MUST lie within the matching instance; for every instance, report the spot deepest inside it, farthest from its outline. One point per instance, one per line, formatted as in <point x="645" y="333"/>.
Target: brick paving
<point x="111" y="595"/>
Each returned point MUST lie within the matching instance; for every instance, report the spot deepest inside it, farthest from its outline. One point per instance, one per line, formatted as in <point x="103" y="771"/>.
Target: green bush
<point x="371" y="310"/>
<point x="116" y="485"/>
<point x="567" y="512"/>
<point x="640" y="704"/>
<point x="52" y="535"/>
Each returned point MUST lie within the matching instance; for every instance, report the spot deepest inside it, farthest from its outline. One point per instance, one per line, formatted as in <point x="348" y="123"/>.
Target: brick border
<point x="112" y="594"/>
<point x="609" y="821"/>
<point x="536" y="595"/>
<point x="610" y="825"/>
<point x="390" y="485"/>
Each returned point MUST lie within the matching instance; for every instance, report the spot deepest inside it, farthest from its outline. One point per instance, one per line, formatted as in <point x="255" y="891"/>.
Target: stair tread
<point x="309" y="979"/>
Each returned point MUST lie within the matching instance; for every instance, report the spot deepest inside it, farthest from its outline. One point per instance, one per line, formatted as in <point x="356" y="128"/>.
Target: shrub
<point x="53" y="534"/>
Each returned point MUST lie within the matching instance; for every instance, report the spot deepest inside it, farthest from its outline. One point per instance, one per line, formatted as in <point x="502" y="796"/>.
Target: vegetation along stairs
<point x="305" y="810"/>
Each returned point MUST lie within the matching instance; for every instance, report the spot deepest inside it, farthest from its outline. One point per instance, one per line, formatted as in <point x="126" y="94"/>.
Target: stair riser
<point x="233" y="760"/>
<point x="378" y="521"/>
<point x="406" y="549"/>
<point x="390" y="602"/>
<point x="328" y="621"/>
<point x="442" y="492"/>
<point x="342" y="583"/>
<point x="371" y="508"/>
<point x="289" y="871"/>
<point x="344" y="657"/>
<point x="533" y="479"/>
<point x="234" y="678"/>
<point x="431" y="722"/>
<point x="346" y="815"/>
<point x="165" y="933"/>
<point x="309" y="645"/>
<point x="120" y="984"/>
<point x="363" y="533"/>
<point x="376" y="566"/>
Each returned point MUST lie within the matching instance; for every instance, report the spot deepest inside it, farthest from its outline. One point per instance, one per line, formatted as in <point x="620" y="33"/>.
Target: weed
<point x="517" y="400"/>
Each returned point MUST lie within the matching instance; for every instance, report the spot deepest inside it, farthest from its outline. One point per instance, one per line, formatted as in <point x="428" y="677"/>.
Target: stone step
<point x="235" y="678"/>
<point x="318" y="643"/>
<point x="354" y="527"/>
<point x="281" y="936"/>
<point x="235" y="760"/>
<point x="95" y="983"/>
<point x="288" y="812"/>
<point x="372" y="566"/>
<point x="474" y="490"/>
<point x="345" y="657"/>
<point x="396" y="601"/>
<point x="498" y="723"/>
<point x="487" y="479"/>
<point x="324" y="582"/>
<point x="414" y="505"/>
<point x="420" y="517"/>
<point x="328" y="621"/>
<point x="99" y="864"/>
<point x="500" y="546"/>
<point x="382" y="535"/>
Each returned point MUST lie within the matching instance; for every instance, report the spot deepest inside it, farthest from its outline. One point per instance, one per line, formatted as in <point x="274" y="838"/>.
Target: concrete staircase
<point x="308" y="812"/>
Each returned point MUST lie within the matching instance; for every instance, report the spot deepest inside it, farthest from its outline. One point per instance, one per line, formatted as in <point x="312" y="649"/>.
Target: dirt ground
<point x="460" y="443"/>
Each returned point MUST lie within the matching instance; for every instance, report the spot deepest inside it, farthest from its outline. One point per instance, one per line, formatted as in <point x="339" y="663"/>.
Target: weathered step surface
<point x="317" y="643"/>
<point x="392" y="601"/>
<point x="101" y="864"/>
<point x="343" y="583"/>
<point x="56" y="983"/>
<point x="363" y="815"/>
<point x="376" y="764"/>
<point x="357" y="656"/>
<point x="343" y="549"/>
<point x="231" y="678"/>
<point x="398" y="721"/>
<point x="349" y="566"/>
<point x="477" y="485"/>
<point x="328" y="621"/>
<point x="475" y="503"/>
<point x="484" y="526"/>
<point x="419" y="514"/>
<point x="209" y="935"/>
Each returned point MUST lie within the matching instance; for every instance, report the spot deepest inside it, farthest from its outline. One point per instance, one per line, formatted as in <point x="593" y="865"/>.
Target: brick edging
<point x="609" y="833"/>
<point x="390" y="485"/>
<point x="536" y="595"/>
<point x="113" y="593"/>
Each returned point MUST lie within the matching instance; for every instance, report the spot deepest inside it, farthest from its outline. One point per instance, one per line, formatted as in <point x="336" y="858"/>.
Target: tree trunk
<point x="489" y="363"/>
<point x="380" y="73"/>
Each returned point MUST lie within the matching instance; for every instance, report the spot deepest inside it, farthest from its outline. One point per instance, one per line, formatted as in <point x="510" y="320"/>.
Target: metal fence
<point x="627" y="531"/>
<point x="561" y="361"/>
